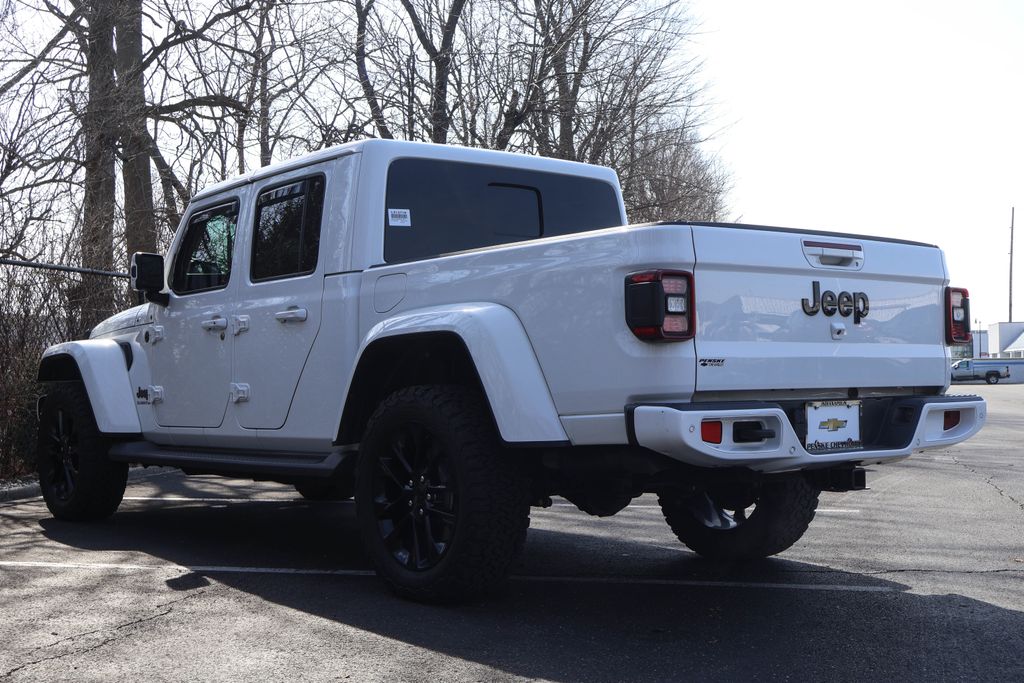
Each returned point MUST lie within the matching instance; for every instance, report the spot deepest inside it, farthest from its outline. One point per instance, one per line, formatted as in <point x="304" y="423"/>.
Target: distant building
<point x="978" y="348"/>
<point x="1006" y="340"/>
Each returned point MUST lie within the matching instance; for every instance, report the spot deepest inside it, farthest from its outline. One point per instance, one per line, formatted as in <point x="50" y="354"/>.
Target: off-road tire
<point x="785" y="506"/>
<point x="491" y="497"/>
<point x="92" y="485"/>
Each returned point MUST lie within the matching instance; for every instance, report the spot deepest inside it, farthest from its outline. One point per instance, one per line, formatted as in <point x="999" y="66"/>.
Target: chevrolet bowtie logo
<point x="833" y="424"/>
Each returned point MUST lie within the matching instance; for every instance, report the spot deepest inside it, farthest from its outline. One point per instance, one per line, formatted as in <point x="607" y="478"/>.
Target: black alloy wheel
<point x="713" y="513"/>
<point x="414" y="498"/>
<point x="60" y="448"/>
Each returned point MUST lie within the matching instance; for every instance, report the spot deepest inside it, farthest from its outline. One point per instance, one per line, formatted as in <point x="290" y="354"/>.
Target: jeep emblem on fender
<point x="828" y="302"/>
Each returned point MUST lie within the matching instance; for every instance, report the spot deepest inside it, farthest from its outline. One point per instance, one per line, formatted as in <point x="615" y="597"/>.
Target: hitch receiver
<point x="838" y="479"/>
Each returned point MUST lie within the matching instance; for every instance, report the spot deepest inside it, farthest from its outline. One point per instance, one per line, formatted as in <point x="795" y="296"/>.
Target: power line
<point x="66" y="269"/>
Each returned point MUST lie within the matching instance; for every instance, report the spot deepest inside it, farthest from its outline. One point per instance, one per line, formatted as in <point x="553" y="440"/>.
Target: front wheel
<point x="743" y="522"/>
<point x="441" y="508"/>
<point x="77" y="479"/>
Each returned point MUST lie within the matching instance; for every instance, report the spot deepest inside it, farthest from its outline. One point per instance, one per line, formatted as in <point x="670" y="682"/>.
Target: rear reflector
<point x="711" y="431"/>
<point x="950" y="419"/>
<point x="659" y="305"/>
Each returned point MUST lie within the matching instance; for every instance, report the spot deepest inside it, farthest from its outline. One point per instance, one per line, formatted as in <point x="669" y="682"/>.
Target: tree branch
<point x="37" y="60"/>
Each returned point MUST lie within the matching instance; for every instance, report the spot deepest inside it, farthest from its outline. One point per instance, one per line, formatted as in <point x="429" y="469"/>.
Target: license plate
<point x="833" y="426"/>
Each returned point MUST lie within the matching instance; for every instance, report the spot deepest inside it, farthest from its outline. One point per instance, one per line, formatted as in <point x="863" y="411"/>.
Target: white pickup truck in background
<point x="989" y="370"/>
<point x="452" y="335"/>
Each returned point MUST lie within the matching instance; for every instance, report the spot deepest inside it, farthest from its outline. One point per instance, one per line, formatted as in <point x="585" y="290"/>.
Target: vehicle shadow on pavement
<point x="584" y="607"/>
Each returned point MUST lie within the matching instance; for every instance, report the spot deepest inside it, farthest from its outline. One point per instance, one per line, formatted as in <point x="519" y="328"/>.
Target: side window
<point x="286" y="240"/>
<point x="438" y="207"/>
<point x="204" y="258"/>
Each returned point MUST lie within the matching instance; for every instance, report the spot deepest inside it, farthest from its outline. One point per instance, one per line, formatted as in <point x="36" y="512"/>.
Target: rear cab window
<point x="436" y="207"/>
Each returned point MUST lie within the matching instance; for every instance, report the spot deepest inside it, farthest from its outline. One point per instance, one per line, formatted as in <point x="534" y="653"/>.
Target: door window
<point x="287" y="235"/>
<point x="204" y="258"/>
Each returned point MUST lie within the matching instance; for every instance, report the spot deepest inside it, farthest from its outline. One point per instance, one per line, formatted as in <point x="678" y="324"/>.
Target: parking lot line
<point x="185" y="499"/>
<point x="242" y="499"/>
<point x="621" y="580"/>
<point x="195" y="569"/>
<point x="235" y="499"/>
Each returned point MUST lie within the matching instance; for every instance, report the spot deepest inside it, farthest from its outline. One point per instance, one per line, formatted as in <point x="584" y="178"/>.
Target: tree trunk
<point x="100" y="134"/>
<point x="362" y="14"/>
<point x="140" y="222"/>
<point x="264" y="113"/>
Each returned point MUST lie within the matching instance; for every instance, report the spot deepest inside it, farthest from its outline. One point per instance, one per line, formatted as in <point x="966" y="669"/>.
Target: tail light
<point x="659" y="305"/>
<point x="958" y="316"/>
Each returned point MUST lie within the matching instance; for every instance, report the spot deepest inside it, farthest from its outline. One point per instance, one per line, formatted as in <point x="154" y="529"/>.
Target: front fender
<point x="501" y="351"/>
<point x="101" y="366"/>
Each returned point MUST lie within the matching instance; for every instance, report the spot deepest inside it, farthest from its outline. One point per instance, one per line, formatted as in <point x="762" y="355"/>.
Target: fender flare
<point x="499" y="347"/>
<point x="101" y="366"/>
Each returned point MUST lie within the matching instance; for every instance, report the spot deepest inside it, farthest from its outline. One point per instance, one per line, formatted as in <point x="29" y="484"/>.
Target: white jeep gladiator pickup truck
<point x="452" y="335"/>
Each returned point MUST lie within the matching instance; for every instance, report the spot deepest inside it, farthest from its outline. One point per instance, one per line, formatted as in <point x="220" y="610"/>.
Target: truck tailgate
<point x="763" y="299"/>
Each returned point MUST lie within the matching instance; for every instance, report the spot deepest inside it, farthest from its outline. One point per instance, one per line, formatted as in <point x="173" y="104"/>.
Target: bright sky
<point x="898" y="118"/>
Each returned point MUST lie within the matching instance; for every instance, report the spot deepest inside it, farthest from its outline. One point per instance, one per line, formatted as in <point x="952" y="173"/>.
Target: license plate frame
<point x="833" y="426"/>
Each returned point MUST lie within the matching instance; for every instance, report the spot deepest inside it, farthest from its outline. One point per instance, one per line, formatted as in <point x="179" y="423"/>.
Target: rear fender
<point x="100" y="364"/>
<point x="505" y="362"/>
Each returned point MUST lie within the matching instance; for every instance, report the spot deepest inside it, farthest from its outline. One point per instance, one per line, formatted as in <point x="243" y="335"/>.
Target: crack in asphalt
<point x="113" y="638"/>
<point x="941" y="571"/>
<point x="988" y="480"/>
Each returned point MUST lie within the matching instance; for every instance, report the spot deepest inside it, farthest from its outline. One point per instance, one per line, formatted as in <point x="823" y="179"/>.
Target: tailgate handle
<point x="833" y="254"/>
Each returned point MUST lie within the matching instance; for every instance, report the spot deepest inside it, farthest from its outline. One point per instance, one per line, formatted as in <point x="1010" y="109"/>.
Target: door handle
<point x="216" y="323"/>
<point x="293" y="313"/>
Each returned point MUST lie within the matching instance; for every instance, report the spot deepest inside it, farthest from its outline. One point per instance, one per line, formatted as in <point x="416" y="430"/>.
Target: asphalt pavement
<point x="200" y="578"/>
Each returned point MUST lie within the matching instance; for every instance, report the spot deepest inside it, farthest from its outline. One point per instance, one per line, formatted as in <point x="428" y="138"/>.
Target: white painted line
<point x="625" y="580"/>
<point x="827" y="511"/>
<point x="694" y="582"/>
<point x="198" y="569"/>
<point x="185" y="499"/>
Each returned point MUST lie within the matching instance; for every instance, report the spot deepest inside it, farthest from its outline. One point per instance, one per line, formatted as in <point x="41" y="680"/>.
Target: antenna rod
<point x="1010" y="319"/>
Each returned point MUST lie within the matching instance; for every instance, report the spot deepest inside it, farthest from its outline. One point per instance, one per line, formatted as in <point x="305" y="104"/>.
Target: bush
<point x="39" y="308"/>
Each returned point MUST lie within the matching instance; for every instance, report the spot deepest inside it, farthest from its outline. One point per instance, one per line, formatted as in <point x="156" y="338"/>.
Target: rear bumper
<point x="912" y="424"/>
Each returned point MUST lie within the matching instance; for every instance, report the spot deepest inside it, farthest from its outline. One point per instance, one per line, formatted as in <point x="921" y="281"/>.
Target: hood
<point x="121" y="321"/>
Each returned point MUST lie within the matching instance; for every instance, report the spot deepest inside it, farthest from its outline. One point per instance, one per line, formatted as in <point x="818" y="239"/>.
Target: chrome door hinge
<point x="239" y="324"/>
<point x="239" y="392"/>
<point x="156" y="394"/>
<point x="153" y="334"/>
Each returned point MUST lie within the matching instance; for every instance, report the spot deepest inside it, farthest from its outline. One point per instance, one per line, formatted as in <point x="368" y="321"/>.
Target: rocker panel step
<point x="216" y="461"/>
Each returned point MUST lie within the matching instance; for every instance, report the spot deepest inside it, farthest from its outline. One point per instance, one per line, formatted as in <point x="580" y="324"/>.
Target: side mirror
<point x="147" y="276"/>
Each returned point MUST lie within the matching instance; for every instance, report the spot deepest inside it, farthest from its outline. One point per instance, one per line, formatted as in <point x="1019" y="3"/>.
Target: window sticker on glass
<point x="399" y="218"/>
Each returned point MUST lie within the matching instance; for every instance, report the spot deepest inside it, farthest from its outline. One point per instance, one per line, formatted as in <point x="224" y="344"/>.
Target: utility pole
<point x="1010" y="319"/>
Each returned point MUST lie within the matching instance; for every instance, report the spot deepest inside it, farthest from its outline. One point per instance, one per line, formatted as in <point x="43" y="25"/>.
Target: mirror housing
<point x="147" y="277"/>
